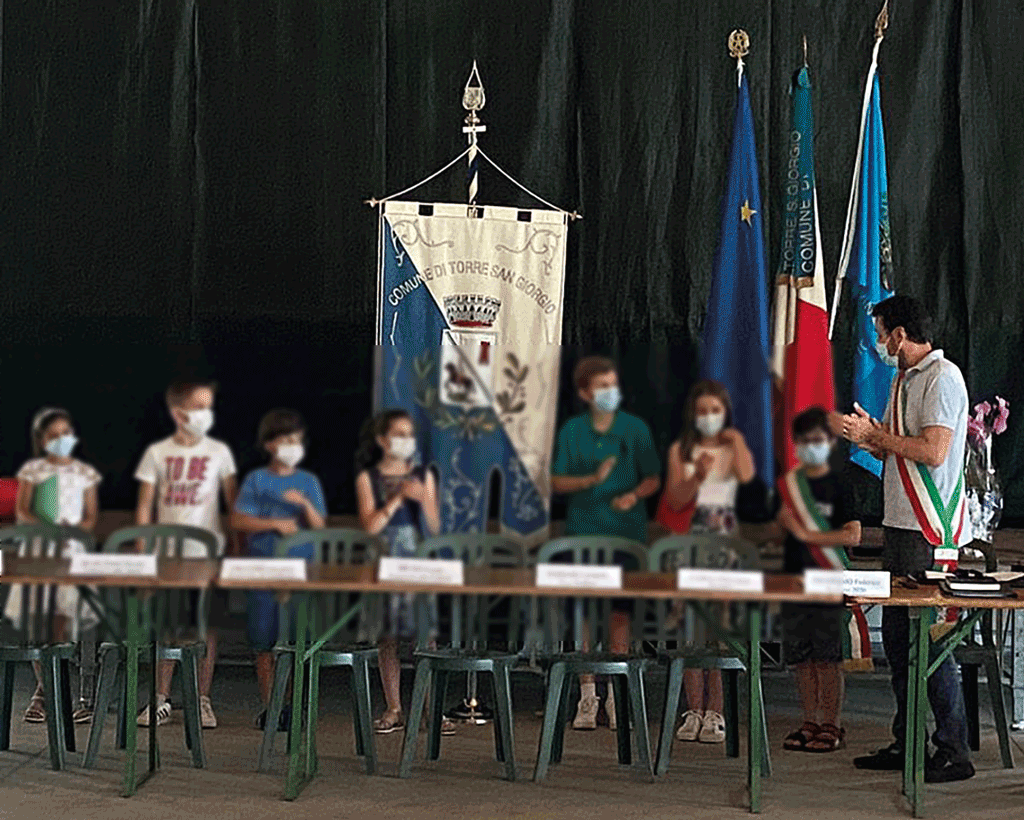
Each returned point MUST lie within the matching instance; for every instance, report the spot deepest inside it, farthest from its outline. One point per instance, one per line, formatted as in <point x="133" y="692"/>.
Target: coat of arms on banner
<point x="469" y="326"/>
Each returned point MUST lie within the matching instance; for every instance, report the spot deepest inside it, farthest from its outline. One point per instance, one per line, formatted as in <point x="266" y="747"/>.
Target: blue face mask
<point x="607" y="399"/>
<point x="814" y="454"/>
<point x="63" y="446"/>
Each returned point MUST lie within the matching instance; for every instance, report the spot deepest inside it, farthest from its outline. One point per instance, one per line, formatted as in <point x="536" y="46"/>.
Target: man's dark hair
<point x="907" y="313"/>
<point x="811" y="419"/>
<point x="280" y="423"/>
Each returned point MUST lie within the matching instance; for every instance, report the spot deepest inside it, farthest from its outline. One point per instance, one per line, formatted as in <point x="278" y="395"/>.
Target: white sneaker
<point x="586" y="714"/>
<point x="713" y="730"/>
<point x="207" y="719"/>
<point x="692" y="722"/>
<point x="163" y="713"/>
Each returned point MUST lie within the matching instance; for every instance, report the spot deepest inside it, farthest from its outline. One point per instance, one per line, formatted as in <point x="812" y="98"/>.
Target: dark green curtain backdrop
<point x="182" y="190"/>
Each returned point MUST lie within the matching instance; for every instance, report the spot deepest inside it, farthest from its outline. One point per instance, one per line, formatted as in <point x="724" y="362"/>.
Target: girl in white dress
<point x="705" y="468"/>
<point x="53" y="488"/>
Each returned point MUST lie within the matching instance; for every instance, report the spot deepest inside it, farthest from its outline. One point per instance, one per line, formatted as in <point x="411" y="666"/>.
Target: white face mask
<point x="290" y="454"/>
<point x="402" y="447"/>
<point x="62" y="446"/>
<point x="199" y="422"/>
<point x="710" y="424"/>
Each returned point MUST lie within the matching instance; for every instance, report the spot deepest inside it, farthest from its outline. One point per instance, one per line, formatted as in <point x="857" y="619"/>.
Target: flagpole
<point x="881" y="24"/>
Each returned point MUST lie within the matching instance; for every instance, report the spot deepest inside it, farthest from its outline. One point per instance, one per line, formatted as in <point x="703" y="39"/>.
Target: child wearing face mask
<point x="706" y="465"/>
<point x="276" y="500"/>
<point x="182" y="475"/>
<point x="54" y="488"/>
<point x="606" y="463"/>
<point x="814" y="514"/>
<point x="394" y="497"/>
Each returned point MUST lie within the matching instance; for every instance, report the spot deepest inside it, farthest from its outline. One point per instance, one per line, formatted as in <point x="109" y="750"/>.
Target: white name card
<point x="823" y="582"/>
<point x="91" y="563"/>
<point x="576" y="576"/>
<point x="263" y="569"/>
<point x="441" y="571"/>
<point x="720" y="580"/>
<point x="859" y="583"/>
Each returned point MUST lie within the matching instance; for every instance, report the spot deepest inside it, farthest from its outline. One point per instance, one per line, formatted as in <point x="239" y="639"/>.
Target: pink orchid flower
<point x="999" y="425"/>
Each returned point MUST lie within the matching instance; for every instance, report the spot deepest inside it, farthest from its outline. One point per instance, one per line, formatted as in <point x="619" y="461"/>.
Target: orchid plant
<point x="984" y="493"/>
<point x="988" y="420"/>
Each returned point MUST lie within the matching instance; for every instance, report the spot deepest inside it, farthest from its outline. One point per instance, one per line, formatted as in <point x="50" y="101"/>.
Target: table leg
<point x="921" y="710"/>
<point x="131" y="666"/>
<point x="910" y="706"/>
<point x="154" y="750"/>
<point x="294" y="781"/>
<point x="755" y="727"/>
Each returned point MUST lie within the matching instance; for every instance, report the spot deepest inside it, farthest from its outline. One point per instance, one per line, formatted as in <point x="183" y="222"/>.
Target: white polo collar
<point x="927" y="361"/>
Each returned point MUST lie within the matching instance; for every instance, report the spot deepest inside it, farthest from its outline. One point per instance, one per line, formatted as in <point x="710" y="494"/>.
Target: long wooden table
<point x="919" y="599"/>
<point x="172" y="574"/>
<point x="514" y="583"/>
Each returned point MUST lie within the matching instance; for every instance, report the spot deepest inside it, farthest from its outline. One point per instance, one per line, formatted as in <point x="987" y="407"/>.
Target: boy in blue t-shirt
<point x="276" y="500"/>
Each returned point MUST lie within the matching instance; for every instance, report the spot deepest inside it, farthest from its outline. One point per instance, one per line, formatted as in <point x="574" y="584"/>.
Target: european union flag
<point x="867" y="262"/>
<point x="736" y="352"/>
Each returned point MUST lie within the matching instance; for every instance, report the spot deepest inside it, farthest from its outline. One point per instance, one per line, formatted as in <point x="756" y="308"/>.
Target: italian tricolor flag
<point x="801" y="351"/>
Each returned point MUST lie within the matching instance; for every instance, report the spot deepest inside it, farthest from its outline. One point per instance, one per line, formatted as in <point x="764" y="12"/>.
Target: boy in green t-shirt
<point x="606" y="463"/>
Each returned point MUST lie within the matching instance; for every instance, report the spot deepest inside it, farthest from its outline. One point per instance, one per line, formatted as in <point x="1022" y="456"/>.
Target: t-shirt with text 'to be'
<point x="188" y="481"/>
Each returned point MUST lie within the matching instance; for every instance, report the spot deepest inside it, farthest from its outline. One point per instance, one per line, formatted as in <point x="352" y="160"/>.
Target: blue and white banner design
<point x="469" y="323"/>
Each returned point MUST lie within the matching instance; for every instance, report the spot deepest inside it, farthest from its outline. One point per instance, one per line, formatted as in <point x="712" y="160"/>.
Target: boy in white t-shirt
<point x="184" y="475"/>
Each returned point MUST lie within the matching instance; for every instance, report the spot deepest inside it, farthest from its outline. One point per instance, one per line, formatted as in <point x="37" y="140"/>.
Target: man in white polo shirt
<point x="921" y="439"/>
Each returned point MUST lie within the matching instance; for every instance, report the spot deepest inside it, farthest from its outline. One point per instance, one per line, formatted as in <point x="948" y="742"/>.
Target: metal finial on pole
<point x="473" y="100"/>
<point x="882" y="21"/>
<point x="739" y="47"/>
<point x="805" y="51"/>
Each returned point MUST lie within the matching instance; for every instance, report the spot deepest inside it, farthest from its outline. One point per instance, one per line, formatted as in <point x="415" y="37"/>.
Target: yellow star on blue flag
<point x="746" y="212"/>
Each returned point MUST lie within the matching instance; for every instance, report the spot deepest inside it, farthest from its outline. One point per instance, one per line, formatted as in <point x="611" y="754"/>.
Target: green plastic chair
<point x="167" y="540"/>
<point x="471" y="623"/>
<point x="704" y="551"/>
<point x="333" y="546"/>
<point x="626" y="671"/>
<point x="34" y="642"/>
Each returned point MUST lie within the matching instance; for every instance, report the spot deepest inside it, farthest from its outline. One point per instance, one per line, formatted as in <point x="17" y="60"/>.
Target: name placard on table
<point x="852" y="582"/>
<point x="441" y="571"/>
<point x="720" y="580"/>
<point x="576" y="576"/>
<point x="91" y="563"/>
<point x="263" y="569"/>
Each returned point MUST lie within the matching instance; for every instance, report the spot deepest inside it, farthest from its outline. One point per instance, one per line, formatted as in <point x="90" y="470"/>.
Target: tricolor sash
<point x="941" y="524"/>
<point x="797" y="497"/>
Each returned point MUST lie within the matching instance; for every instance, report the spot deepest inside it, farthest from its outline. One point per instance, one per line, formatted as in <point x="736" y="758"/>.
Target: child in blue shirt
<point x="276" y="500"/>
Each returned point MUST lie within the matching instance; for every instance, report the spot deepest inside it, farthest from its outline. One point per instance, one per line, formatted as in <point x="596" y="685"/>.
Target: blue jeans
<point x="905" y="552"/>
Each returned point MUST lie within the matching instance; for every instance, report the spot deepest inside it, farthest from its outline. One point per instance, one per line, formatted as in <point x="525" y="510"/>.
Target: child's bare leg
<point x="807" y="687"/>
<point x="390" y="673"/>
<point x="713" y="686"/>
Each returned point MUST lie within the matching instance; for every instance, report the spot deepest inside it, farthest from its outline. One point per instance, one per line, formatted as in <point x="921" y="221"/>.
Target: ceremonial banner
<point x="735" y="344"/>
<point x="867" y="260"/>
<point x="801" y="351"/>
<point x="469" y="323"/>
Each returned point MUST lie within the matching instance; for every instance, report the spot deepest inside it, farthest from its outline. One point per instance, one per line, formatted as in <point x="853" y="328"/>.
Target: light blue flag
<point x="867" y="262"/>
<point x="736" y="351"/>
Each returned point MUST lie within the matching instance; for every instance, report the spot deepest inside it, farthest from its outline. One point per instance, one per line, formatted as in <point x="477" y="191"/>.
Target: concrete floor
<point x="467" y="784"/>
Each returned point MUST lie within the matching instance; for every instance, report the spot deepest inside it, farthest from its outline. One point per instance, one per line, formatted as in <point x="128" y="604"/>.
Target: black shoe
<point x="943" y="769"/>
<point x="889" y="759"/>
